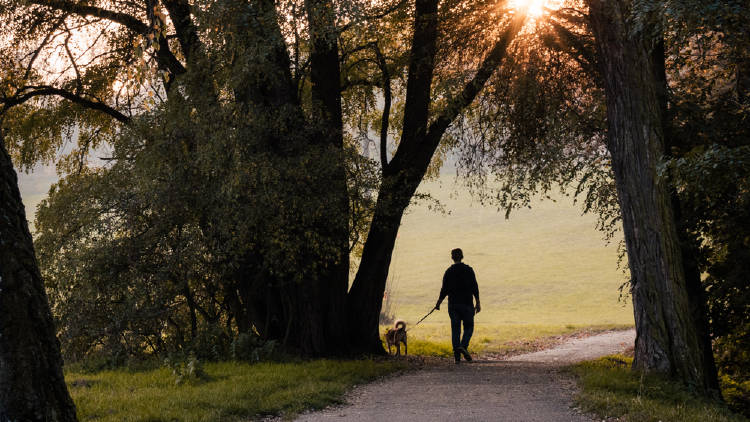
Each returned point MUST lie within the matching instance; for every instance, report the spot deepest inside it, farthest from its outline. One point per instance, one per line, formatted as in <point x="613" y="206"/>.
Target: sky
<point x="34" y="188"/>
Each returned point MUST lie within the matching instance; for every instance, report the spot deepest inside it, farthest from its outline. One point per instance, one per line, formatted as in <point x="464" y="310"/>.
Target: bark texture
<point x="689" y="244"/>
<point x="32" y="387"/>
<point x="666" y="340"/>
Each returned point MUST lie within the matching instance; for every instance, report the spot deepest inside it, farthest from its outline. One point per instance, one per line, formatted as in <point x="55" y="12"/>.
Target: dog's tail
<point x="399" y="324"/>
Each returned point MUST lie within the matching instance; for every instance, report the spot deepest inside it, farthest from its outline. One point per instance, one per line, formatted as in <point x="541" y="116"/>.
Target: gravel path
<point x="581" y="349"/>
<point x="524" y="388"/>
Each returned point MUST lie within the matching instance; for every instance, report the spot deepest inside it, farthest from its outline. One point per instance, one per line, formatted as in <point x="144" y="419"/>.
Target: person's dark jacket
<point x="459" y="284"/>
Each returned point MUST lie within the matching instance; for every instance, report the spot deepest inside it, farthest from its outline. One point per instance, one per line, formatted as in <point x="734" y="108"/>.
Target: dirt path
<point x="581" y="349"/>
<point x="523" y="388"/>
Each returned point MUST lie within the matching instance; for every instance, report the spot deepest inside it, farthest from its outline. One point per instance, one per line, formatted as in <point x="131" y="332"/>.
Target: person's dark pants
<point x="459" y="314"/>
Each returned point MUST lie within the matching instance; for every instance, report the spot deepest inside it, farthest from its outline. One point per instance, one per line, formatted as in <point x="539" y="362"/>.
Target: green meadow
<point x="544" y="271"/>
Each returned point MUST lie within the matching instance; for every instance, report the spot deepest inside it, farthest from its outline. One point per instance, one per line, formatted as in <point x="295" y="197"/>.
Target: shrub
<point x="251" y="348"/>
<point x="187" y="370"/>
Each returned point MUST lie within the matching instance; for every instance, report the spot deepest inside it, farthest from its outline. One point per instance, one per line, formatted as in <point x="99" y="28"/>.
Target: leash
<point x="424" y="317"/>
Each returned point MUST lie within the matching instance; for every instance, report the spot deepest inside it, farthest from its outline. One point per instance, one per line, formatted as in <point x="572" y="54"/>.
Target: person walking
<point x="460" y="285"/>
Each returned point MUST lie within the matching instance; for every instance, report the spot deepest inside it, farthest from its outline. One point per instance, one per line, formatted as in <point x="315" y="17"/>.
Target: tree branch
<point x="386" y="107"/>
<point x="187" y="33"/>
<point x="165" y="57"/>
<point x="470" y="91"/>
<point x="82" y="9"/>
<point x="43" y="90"/>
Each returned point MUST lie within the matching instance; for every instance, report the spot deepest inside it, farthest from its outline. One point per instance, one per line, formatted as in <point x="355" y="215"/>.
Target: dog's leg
<point x="398" y="349"/>
<point x="406" y="348"/>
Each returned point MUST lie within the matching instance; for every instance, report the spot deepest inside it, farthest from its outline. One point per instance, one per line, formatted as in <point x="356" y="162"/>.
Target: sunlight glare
<point x="535" y="8"/>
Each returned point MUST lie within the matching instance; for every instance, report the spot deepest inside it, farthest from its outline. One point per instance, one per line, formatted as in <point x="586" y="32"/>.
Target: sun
<point x="534" y="8"/>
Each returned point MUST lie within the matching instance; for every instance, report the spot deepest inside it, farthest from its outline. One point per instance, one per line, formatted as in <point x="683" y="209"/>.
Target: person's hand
<point x="437" y="307"/>
<point x="478" y="308"/>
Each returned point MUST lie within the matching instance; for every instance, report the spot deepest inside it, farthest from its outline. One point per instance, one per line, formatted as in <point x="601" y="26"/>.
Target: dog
<point x="395" y="336"/>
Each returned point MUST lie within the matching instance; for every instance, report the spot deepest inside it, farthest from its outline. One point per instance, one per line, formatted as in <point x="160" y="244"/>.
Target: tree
<point x="420" y="137"/>
<point x="559" y="137"/>
<point x="32" y="387"/>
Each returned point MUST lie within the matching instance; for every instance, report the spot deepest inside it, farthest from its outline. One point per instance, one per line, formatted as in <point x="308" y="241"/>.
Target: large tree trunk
<point x="32" y="387"/>
<point x="366" y="295"/>
<point x="332" y="281"/>
<point x="304" y="307"/>
<point x="666" y="339"/>
<point x="689" y="244"/>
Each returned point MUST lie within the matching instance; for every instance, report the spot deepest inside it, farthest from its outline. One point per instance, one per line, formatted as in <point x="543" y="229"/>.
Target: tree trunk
<point x="331" y="283"/>
<point x="366" y="295"/>
<point x="689" y="244"/>
<point x="32" y="387"/>
<point x="303" y="311"/>
<point x="666" y="339"/>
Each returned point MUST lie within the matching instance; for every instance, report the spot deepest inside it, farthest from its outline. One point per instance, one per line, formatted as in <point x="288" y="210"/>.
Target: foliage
<point x="228" y="196"/>
<point x="187" y="370"/>
<point x="249" y="348"/>
<point x="223" y="205"/>
<point x="733" y="359"/>
<point x="540" y="126"/>
<point x="142" y="255"/>
<point x="230" y="391"/>
<point x="610" y="389"/>
<point x="544" y="128"/>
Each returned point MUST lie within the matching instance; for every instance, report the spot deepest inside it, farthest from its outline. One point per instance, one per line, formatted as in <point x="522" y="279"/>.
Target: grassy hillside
<point x="544" y="271"/>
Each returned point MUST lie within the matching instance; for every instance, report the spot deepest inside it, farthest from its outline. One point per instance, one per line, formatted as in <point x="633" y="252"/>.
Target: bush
<point x="186" y="370"/>
<point x="251" y="348"/>
<point x="733" y="361"/>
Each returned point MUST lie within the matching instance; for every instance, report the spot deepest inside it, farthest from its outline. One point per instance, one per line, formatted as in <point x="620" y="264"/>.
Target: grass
<point x="231" y="391"/>
<point x="610" y="389"/>
<point x="545" y="271"/>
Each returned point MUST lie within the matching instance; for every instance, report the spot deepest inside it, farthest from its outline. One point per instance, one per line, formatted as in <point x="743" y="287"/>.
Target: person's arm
<point x="443" y="291"/>
<point x="475" y="290"/>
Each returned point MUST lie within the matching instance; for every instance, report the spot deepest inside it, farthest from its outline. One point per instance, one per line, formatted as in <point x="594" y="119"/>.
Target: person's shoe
<point x="457" y="356"/>
<point x="466" y="354"/>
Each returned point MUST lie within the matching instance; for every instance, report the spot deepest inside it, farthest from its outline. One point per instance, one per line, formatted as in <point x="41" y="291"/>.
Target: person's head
<point x="457" y="254"/>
